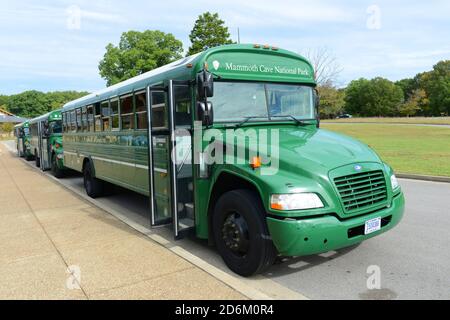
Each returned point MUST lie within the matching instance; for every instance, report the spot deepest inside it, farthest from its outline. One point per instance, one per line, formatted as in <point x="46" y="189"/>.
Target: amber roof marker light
<point x="256" y="163"/>
<point x="256" y="46"/>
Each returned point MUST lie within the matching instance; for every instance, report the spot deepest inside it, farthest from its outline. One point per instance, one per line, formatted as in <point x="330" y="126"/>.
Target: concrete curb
<point x="423" y="177"/>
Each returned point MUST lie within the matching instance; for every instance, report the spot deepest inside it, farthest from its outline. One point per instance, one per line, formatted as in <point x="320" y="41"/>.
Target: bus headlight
<point x="394" y="182"/>
<point x="295" y="201"/>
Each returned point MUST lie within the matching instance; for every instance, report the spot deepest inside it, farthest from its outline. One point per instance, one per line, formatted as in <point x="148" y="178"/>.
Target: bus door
<point x="43" y="146"/>
<point x="159" y="159"/>
<point x="20" y="143"/>
<point x="181" y="155"/>
<point x="170" y="157"/>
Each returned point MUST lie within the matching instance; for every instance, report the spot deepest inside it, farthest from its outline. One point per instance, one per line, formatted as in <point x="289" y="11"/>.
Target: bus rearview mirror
<point x="205" y="113"/>
<point x="205" y="85"/>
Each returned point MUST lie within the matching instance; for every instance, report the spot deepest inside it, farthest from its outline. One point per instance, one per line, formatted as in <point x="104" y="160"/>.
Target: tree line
<point x="31" y="104"/>
<point x="427" y="94"/>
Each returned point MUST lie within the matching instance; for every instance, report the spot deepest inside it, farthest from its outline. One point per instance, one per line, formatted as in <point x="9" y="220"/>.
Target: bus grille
<point x="362" y="190"/>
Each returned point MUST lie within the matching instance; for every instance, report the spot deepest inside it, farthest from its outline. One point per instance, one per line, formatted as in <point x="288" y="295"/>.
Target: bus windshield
<point x="56" y="127"/>
<point x="237" y="101"/>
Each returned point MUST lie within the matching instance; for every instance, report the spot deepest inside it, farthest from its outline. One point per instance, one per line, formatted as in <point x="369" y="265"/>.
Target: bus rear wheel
<point x="241" y="233"/>
<point x="93" y="186"/>
<point x="56" y="171"/>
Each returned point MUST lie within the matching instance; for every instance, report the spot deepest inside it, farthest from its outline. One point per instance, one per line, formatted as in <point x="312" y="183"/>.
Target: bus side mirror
<point x="205" y="113"/>
<point x="205" y="85"/>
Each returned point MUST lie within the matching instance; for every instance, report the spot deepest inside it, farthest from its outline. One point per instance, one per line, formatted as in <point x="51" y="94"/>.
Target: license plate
<point x="373" y="225"/>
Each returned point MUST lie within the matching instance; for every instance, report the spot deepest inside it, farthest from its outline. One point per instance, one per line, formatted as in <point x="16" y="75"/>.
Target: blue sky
<point x="43" y="47"/>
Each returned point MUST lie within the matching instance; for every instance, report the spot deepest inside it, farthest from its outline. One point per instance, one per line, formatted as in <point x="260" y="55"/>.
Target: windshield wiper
<point x="247" y="119"/>
<point x="297" y="121"/>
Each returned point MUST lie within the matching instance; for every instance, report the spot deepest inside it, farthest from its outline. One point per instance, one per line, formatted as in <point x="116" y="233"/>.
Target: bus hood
<point x="317" y="151"/>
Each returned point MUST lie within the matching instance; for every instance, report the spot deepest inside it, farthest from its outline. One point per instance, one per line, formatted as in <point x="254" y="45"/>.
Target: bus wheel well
<point x="226" y="182"/>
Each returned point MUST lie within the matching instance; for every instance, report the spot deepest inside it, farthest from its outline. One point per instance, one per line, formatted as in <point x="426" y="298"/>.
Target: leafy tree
<point x="416" y="102"/>
<point x="437" y="85"/>
<point x="373" y="98"/>
<point x="3" y="102"/>
<point x="331" y="101"/>
<point x="209" y="31"/>
<point x="30" y="104"/>
<point x="408" y="86"/>
<point x="137" y="53"/>
<point x="7" y="127"/>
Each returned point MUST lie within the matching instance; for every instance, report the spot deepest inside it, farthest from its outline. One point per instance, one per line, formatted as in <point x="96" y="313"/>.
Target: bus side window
<point x="63" y="115"/>
<point x="159" y="110"/>
<point x="90" y="118"/>
<point x="183" y="106"/>
<point x="115" y="115"/>
<point x="98" y="118"/>
<point x="84" y="123"/>
<point x="141" y="111"/>
<point x="106" y="112"/>
<point x="126" y="112"/>
<point x="78" y="120"/>
<point x="73" y="123"/>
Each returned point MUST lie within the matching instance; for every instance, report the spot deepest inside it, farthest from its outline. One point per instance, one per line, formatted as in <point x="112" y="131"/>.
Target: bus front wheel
<point x="241" y="233"/>
<point x="92" y="185"/>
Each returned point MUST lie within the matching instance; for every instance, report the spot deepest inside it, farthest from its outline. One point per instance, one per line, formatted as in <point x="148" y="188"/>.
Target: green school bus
<point x="46" y="142"/>
<point x="227" y="145"/>
<point x="23" y="137"/>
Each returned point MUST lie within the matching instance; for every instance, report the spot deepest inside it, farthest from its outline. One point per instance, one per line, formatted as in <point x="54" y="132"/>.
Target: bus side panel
<point x="141" y="175"/>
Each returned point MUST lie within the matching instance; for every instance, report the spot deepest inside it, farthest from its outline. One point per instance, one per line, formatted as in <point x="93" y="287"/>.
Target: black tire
<point x="56" y="171"/>
<point x="37" y="160"/>
<point x="234" y="212"/>
<point x="29" y="158"/>
<point x="93" y="186"/>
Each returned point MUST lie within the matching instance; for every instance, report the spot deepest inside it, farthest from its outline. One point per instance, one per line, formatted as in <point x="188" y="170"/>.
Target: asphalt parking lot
<point x="414" y="259"/>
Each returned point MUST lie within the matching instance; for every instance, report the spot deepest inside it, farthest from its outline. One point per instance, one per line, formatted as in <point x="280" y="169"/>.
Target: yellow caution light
<point x="256" y="163"/>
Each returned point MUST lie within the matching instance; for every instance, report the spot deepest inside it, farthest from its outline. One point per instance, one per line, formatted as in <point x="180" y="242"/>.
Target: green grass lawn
<point x="415" y="120"/>
<point x="408" y="149"/>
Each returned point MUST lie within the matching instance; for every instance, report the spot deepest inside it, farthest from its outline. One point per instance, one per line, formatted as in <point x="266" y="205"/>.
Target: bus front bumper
<point x="327" y="233"/>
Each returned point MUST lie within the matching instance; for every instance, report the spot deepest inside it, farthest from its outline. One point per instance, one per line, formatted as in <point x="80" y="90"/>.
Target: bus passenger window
<point x="115" y="115"/>
<point x="159" y="110"/>
<point x="126" y="112"/>
<point x="73" y="122"/>
<point x="63" y="115"/>
<point x="141" y="111"/>
<point x="182" y="105"/>
<point x="106" y="112"/>
<point x="98" y="118"/>
<point x="84" y="123"/>
<point x="90" y="118"/>
<point x="78" y="120"/>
